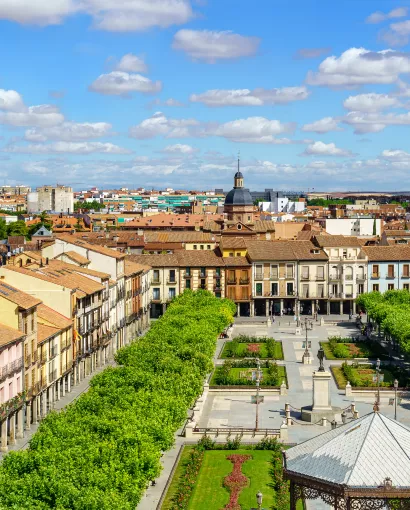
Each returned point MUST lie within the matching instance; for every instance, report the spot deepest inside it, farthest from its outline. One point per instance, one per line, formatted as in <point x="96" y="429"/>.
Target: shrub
<point x="341" y="351"/>
<point x="268" y="443"/>
<point x="233" y="444"/>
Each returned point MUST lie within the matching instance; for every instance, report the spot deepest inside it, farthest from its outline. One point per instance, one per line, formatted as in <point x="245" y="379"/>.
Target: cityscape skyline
<point x="165" y="93"/>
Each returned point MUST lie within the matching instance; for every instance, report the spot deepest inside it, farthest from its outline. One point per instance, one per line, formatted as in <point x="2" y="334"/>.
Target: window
<point x="217" y="294"/>
<point x="231" y="276"/>
<point x="375" y="287"/>
<point x="405" y="286"/>
<point x="275" y="289"/>
<point x="259" y="289"/>
<point x="289" y="270"/>
<point x="231" y="254"/>
<point x="172" y="275"/>
<point x="203" y="283"/>
<point x="375" y="271"/>
<point x="244" y="293"/>
<point x="202" y="272"/>
<point x="244" y="277"/>
<point x="25" y="326"/>
<point x="208" y="246"/>
<point x="238" y="254"/>
<point x="218" y="283"/>
<point x="202" y="246"/>
<point x="305" y="291"/>
<point x="320" y="291"/>
<point x="188" y="284"/>
<point x="32" y="322"/>
<point x="390" y="271"/>
<point x="320" y="272"/>
<point x="406" y="271"/>
<point x="239" y="227"/>
<point x="344" y="254"/>
<point x="195" y="247"/>
<point x="274" y="272"/>
<point x="171" y="293"/>
<point x="188" y="271"/>
<point x="360" y="288"/>
<point x="156" y="294"/>
<point x="218" y="271"/>
<point x="289" y="288"/>
<point x="155" y="276"/>
<point x="390" y="286"/>
<point x="259" y="272"/>
<point x="305" y="272"/>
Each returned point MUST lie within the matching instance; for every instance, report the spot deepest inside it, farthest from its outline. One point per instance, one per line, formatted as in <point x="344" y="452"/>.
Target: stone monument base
<point x="314" y="415"/>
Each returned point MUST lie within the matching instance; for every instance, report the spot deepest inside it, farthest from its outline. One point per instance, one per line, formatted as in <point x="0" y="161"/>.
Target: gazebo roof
<point x="358" y="455"/>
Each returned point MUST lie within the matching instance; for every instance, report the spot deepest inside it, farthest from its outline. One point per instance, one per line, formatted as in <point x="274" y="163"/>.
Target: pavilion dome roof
<point x="359" y="454"/>
<point x="239" y="196"/>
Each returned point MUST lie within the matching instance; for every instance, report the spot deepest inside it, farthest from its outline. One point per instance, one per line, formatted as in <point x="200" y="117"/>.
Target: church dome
<point x="238" y="175"/>
<point x="239" y="196"/>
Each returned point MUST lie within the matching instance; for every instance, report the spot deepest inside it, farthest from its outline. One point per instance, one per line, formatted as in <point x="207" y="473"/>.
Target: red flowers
<point x="253" y="347"/>
<point x="236" y="480"/>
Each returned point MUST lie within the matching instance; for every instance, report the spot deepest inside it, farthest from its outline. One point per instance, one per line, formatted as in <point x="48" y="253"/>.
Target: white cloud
<point x="69" y="131"/>
<point x="168" y="102"/>
<point x="130" y="63"/>
<point x="118" y="83"/>
<point x="179" y="148"/>
<point x="325" y="149"/>
<point x="322" y="126"/>
<point x="67" y="147"/>
<point x="378" y="16"/>
<point x="11" y="100"/>
<point x="112" y="15"/>
<point x="246" y="97"/>
<point x="212" y="45"/>
<point x="39" y="116"/>
<point x="375" y="122"/>
<point x="398" y="34"/>
<point x="253" y="130"/>
<point x="159" y="124"/>
<point x="396" y="155"/>
<point x="358" y="66"/>
<point x="370" y="102"/>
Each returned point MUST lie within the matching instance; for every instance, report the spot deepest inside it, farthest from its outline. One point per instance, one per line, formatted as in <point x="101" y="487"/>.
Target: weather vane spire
<point x="239" y="158"/>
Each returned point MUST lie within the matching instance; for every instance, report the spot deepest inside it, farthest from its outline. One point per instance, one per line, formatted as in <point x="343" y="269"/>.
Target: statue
<point x="320" y="357"/>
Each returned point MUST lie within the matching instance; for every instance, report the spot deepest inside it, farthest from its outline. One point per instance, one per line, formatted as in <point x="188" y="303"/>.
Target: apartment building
<point x="173" y="273"/>
<point x="388" y="267"/>
<point x="288" y="277"/>
<point x="347" y="273"/>
<point x="238" y="286"/>
<point x="11" y="384"/>
<point x="136" y="299"/>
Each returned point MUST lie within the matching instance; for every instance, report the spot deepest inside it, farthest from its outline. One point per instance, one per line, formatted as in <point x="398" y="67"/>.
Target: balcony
<point x="244" y="281"/>
<point x="390" y="276"/>
<point x="320" y="278"/>
<point x="304" y="277"/>
<point x="53" y="352"/>
<point x="27" y="360"/>
<point x="375" y="276"/>
<point x="202" y="275"/>
<point x="274" y="276"/>
<point x="290" y="276"/>
<point x="52" y="376"/>
<point x="156" y="298"/>
<point x="258" y="276"/>
<point x="231" y="281"/>
<point x="171" y="281"/>
<point x="348" y="277"/>
<point x="334" y="277"/>
<point x="187" y="275"/>
<point x="217" y="288"/>
<point x="156" y="281"/>
<point x="361" y="277"/>
<point x="270" y="294"/>
<point x="4" y="372"/>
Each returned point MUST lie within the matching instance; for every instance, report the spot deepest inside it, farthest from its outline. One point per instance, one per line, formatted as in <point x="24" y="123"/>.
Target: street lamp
<point x="396" y="385"/>
<point x="378" y="383"/>
<point x="259" y="496"/>
<point x="306" y="354"/>
<point x="258" y="380"/>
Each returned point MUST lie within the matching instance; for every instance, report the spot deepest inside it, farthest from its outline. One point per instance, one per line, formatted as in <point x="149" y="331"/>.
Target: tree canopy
<point x="103" y="450"/>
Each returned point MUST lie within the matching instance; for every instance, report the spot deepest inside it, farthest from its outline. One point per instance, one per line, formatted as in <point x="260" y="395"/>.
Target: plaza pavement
<point x="235" y="410"/>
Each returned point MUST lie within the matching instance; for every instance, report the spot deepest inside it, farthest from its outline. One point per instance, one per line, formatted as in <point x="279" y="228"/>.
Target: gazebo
<point x="362" y="465"/>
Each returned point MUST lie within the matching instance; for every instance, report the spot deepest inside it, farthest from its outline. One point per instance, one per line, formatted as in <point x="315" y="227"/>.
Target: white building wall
<point x="353" y="226"/>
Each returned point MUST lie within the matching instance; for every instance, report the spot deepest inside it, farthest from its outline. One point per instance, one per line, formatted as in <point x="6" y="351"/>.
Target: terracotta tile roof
<point x="48" y="314"/>
<point x="132" y="267"/>
<point x="78" y="269"/>
<point x="236" y="261"/>
<point x="179" y="237"/>
<point x="131" y="239"/>
<point x="285" y="250"/>
<point x="160" y="260"/>
<point x="388" y="253"/>
<point x="330" y="241"/>
<point x="20" y="298"/>
<point x="92" y="247"/>
<point x="8" y="335"/>
<point x="182" y="258"/>
<point x="73" y="255"/>
<point x="399" y="233"/>
<point x="44" y="332"/>
<point x="163" y="220"/>
<point x="232" y="243"/>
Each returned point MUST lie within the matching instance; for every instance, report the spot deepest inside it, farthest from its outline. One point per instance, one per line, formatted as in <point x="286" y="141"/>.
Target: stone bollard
<point x="283" y="389"/>
<point x="287" y="413"/>
<point x="356" y="415"/>
<point x="353" y="408"/>
<point x="348" y="390"/>
<point x="189" y="430"/>
<point x="284" y="432"/>
<point x="269" y="323"/>
<point x="324" y="422"/>
<point x="322" y="321"/>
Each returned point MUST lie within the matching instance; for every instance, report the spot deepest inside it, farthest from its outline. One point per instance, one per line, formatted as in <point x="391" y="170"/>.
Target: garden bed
<point x="361" y="376"/>
<point x="246" y="346"/>
<point x="259" y="470"/>
<point x="232" y="375"/>
<point x="344" y="348"/>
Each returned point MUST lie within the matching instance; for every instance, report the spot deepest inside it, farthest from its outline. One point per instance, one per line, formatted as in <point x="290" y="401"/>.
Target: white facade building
<point x="354" y="226"/>
<point x="282" y="204"/>
<point x="51" y="198"/>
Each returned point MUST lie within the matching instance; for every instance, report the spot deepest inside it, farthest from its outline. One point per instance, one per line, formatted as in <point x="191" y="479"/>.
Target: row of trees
<point x="20" y="228"/>
<point x="102" y="451"/>
<point x="391" y="311"/>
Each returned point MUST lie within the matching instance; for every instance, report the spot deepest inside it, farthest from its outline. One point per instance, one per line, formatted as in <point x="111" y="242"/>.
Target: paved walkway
<point x="76" y="391"/>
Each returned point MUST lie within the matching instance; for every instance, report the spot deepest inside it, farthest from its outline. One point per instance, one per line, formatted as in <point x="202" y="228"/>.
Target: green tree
<point x="374" y="227"/>
<point x="17" y="228"/>
<point x="3" y="229"/>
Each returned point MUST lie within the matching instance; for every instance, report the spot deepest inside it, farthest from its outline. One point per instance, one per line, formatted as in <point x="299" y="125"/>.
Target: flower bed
<point x="361" y="376"/>
<point x="344" y="348"/>
<point x="244" y="346"/>
<point x="236" y="481"/>
<point x="243" y="373"/>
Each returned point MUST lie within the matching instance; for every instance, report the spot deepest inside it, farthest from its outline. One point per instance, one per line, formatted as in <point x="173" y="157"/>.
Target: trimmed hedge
<point x="103" y="450"/>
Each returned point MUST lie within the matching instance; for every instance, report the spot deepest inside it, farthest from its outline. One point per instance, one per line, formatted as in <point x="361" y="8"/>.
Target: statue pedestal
<point x="321" y="406"/>
<point x="307" y="359"/>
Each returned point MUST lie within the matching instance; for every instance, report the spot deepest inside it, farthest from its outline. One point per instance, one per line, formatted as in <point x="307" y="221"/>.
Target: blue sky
<point x="155" y="93"/>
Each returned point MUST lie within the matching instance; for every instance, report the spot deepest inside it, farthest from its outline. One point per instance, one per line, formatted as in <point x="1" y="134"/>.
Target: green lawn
<point x="364" y="375"/>
<point x="209" y="493"/>
<point x="166" y="505"/>
<point x="263" y="353"/>
<point x="235" y="372"/>
<point x="357" y="350"/>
